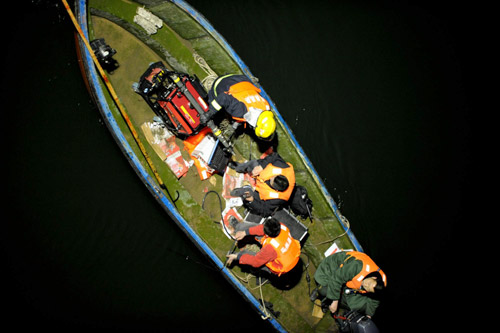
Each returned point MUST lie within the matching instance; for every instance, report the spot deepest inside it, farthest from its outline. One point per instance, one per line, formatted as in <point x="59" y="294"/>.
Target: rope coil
<point x="211" y="75"/>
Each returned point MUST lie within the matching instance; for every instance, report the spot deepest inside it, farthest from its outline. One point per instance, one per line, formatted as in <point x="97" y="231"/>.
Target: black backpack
<point x="300" y="204"/>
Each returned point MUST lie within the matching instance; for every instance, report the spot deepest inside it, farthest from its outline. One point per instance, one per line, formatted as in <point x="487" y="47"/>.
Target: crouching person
<point x="349" y="280"/>
<point x="275" y="181"/>
<point x="279" y="251"/>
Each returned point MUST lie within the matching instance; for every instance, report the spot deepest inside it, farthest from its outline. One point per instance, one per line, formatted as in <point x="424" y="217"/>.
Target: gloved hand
<point x="231" y="257"/>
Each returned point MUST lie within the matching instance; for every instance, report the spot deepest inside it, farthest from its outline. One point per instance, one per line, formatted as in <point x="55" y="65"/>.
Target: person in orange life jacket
<point x="242" y="100"/>
<point x="279" y="253"/>
<point x="351" y="278"/>
<point x="274" y="186"/>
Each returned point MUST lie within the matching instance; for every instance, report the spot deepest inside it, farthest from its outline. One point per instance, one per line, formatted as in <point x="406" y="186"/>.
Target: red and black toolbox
<point x="163" y="90"/>
<point x="179" y="100"/>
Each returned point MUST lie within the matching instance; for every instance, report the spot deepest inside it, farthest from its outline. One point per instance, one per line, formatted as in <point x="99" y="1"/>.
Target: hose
<point x="220" y="206"/>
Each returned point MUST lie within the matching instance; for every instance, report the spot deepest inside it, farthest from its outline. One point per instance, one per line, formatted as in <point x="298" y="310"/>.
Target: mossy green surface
<point x="113" y="20"/>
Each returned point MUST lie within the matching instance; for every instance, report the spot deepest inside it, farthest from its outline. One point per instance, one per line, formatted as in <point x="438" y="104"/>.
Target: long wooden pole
<point x="113" y="94"/>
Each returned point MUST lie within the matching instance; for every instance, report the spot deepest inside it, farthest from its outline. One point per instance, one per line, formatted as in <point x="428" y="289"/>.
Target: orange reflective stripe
<point x="241" y="120"/>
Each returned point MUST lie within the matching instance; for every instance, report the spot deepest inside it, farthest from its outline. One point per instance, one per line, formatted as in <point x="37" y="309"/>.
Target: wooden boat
<point x="175" y="34"/>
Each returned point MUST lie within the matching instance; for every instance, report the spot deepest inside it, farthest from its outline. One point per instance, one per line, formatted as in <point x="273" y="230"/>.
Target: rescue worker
<point x="242" y="100"/>
<point x="279" y="253"/>
<point x="275" y="181"/>
<point x="350" y="278"/>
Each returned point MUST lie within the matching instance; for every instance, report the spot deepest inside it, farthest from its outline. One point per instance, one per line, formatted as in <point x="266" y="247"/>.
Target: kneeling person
<point x="275" y="181"/>
<point x="280" y="252"/>
<point x="242" y="100"/>
<point x="351" y="279"/>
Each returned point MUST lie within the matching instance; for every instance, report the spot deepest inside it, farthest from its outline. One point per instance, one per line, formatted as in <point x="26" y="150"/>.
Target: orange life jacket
<point x="369" y="266"/>
<point x="287" y="249"/>
<point x="265" y="191"/>
<point x="248" y="94"/>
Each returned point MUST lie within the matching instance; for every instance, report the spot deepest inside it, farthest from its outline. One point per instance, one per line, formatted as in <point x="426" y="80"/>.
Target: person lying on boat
<point x="275" y="181"/>
<point x="242" y="100"/>
<point x="279" y="253"/>
<point x="351" y="278"/>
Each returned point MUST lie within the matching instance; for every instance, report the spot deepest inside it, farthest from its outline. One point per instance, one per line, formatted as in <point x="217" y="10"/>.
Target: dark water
<point x="378" y="95"/>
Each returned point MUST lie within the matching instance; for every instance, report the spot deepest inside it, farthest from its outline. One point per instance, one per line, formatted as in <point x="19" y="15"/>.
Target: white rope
<point x="266" y="313"/>
<point x="211" y="75"/>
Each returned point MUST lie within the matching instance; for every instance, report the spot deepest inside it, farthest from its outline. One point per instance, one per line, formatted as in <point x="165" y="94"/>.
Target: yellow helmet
<point x="266" y="125"/>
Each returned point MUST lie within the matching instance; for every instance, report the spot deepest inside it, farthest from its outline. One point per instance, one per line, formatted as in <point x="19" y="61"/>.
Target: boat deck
<point x="135" y="51"/>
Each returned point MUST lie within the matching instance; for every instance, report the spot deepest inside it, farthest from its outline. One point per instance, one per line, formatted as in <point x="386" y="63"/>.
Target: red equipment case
<point x="165" y="97"/>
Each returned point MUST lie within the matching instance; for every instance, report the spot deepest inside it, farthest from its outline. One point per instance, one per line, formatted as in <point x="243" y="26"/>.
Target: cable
<point x="344" y="219"/>
<point x="220" y="205"/>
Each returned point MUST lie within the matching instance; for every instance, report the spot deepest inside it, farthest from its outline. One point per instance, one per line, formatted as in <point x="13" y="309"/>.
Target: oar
<point x="113" y="94"/>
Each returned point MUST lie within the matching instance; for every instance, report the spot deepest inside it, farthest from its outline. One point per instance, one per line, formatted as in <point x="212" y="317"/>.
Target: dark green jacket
<point x="329" y="274"/>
